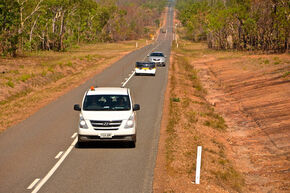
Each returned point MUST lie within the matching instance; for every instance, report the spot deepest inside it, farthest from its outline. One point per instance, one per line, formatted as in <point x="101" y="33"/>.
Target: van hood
<point x="106" y="115"/>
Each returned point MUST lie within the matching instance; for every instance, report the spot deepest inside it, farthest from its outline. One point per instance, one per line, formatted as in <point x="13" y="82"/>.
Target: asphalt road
<point x="31" y="151"/>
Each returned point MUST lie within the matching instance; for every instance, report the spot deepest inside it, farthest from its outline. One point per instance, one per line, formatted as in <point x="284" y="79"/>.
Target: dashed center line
<point x="51" y="172"/>
<point x="58" y="155"/>
<point x="33" y="184"/>
<point x="74" y="135"/>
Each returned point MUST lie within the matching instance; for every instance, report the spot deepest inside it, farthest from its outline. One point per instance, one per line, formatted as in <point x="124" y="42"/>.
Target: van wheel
<point x="80" y="144"/>
<point x="132" y="144"/>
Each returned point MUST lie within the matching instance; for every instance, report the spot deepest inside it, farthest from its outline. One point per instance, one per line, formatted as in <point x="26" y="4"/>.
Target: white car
<point x="107" y="114"/>
<point x="158" y="58"/>
<point x="145" y="68"/>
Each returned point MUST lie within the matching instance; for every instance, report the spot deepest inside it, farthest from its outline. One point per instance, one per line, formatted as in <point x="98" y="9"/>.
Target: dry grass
<point x="216" y="98"/>
<point x="29" y="82"/>
<point x="192" y="121"/>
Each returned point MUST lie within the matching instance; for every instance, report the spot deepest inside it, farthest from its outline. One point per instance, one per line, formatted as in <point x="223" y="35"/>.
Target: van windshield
<point x="107" y="103"/>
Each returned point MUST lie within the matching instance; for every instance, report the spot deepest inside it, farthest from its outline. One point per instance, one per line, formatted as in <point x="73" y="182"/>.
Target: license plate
<point x="106" y="135"/>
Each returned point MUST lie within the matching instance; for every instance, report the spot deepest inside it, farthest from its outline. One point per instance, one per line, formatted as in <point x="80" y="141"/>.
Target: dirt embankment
<point x="253" y="95"/>
<point x="236" y="106"/>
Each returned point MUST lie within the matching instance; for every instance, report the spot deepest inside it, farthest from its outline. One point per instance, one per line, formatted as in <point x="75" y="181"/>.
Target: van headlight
<point x="130" y="122"/>
<point x="83" y="123"/>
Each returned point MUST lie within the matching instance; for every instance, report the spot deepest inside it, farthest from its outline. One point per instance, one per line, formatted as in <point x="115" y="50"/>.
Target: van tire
<point x="80" y="144"/>
<point x="132" y="144"/>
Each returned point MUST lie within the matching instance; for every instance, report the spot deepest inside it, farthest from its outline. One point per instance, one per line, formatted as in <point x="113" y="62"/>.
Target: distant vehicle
<point x="107" y="114"/>
<point x="158" y="58"/>
<point x="145" y="68"/>
<point x="163" y="30"/>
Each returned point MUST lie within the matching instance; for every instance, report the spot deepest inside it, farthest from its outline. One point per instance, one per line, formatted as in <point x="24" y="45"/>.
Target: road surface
<point x="39" y="154"/>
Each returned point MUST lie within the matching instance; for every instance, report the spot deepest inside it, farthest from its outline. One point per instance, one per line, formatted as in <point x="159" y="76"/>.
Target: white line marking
<point x="58" y="163"/>
<point x="58" y="155"/>
<point x="74" y="135"/>
<point x="128" y="79"/>
<point x="198" y="163"/>
<point x="33" y="184"/>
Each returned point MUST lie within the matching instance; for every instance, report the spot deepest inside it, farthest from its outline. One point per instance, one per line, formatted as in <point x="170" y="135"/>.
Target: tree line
<point x="59" y="24"/>
<point x="237" y="24"/>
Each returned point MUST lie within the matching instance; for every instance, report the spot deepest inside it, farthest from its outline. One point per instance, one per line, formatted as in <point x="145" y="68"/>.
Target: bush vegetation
<point x="59" y="24"/>
<point x="237" y="24"/>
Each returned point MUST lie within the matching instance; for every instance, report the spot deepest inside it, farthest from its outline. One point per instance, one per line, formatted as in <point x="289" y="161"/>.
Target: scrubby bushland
<point x="58" y="24"/>
<point x="238" y="24"/>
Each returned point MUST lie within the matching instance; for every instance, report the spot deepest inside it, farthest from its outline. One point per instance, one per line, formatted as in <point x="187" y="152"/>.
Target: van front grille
<point x="104" y="125"/>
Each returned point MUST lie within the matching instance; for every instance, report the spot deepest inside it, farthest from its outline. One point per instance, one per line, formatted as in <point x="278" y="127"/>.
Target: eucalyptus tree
<point x="238" y="24"/>
<point x="9" y="26"/>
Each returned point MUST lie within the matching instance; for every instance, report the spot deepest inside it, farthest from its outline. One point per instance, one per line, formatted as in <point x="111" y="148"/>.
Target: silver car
<point x="158" y="58"/>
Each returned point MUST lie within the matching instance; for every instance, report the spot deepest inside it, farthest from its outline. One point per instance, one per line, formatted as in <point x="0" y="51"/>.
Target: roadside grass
<point x="10" y="84"/>
<point x="170" y="128"/>
<point x="286" y="74"/>
<point x="25" y="81"/>
<point x="193" y="122"/>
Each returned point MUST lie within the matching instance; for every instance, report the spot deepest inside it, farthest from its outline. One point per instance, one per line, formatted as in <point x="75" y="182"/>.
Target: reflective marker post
<point x="198" y="164"/>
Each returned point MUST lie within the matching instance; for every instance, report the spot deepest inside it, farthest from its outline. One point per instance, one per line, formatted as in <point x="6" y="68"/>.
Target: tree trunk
<point x="61" y="31"/>
<point x="32" y="28"/>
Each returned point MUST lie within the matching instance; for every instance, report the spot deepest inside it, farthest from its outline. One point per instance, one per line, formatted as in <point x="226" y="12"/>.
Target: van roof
<point x="108" y="91"/>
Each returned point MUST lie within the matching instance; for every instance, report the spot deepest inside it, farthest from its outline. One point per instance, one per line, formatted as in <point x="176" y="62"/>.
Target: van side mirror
<point x="77" y="107"/>
<point x="136" y="107"/>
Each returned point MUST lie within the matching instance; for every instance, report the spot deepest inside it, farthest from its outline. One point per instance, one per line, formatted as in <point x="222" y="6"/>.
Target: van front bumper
<point x="87" y="138"/>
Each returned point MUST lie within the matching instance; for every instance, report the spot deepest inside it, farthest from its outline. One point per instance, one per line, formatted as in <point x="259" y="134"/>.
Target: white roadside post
<point x="198" y="164"/>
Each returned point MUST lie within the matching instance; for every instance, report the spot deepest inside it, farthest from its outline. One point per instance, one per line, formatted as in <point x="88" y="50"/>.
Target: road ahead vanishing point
<point x="39" y="154"/>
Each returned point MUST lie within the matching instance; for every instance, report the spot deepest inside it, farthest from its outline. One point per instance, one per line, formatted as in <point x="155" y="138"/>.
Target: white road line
<point x="128" y="79"/>
<point x="74" y="135"/>
<point x="33" y="184"/>
<point x="58" y="155"/>
<point x="58" y="163"/>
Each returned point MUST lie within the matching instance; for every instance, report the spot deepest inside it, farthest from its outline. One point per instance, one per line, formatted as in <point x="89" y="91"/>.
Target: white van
<point x="107" y="114"/>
